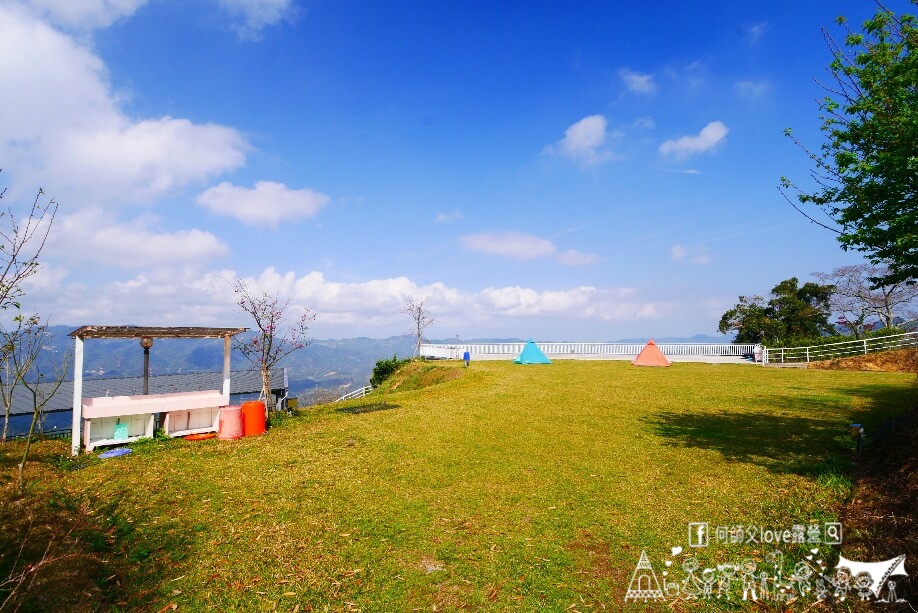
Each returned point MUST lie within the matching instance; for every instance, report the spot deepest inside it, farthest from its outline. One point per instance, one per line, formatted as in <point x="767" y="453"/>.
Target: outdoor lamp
<point x="146" y="342"/>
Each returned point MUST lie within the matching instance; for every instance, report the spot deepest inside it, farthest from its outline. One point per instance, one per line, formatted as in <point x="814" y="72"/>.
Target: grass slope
<point x="508" y="488"/>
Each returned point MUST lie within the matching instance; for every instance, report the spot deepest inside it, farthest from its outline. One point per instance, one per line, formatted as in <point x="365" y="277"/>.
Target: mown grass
<point x="508" y="488"/>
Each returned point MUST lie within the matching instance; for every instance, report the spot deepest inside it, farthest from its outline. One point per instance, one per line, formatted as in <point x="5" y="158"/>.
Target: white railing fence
<point x="790" y="355"/>
<point x="454" y="352"/>
<point x="358" y="393"/>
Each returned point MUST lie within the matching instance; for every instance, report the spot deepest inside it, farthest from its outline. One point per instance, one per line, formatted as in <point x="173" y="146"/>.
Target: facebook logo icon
<point x="698" y="534"/>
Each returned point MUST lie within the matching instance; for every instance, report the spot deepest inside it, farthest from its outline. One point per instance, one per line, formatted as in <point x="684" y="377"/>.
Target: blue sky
<point x="593" y="172"/>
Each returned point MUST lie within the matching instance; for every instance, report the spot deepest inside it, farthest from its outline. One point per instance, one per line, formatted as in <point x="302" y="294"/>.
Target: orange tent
<point x="651" y="355"/>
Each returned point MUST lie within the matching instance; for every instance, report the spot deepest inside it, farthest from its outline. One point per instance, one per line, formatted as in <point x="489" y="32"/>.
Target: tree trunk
<point x="266" y="391"/>
<point x="20" y="477"/>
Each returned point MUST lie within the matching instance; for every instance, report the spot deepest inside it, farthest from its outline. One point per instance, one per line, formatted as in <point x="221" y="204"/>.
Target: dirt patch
<point x="881" y="521"/>
<point x="901" y="360"/>
<point x="597" y="568"/>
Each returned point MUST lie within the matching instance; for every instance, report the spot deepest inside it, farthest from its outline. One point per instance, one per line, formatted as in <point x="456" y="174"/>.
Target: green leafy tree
<point x="751" y="321"/>
<point x="793" y="312"/>
<point x="867" y="170"/>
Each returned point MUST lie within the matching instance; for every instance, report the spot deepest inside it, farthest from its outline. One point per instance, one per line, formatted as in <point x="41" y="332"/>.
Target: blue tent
<point x="531" y="354"/>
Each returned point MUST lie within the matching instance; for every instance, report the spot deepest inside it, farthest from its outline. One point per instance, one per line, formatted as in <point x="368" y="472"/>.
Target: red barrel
<point x="230" y="424"/>
<point x="253" y="417"/>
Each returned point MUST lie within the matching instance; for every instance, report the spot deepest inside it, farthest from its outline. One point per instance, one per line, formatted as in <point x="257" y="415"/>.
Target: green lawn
<point x="511" y="487"/>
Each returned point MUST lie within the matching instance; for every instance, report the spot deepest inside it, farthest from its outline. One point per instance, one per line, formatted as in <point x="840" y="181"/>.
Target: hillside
<point x="902" y="360"/>
<point x="506" y="488"/>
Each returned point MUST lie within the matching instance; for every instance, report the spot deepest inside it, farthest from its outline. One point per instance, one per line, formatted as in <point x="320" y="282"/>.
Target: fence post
<point x="865" y="346"/>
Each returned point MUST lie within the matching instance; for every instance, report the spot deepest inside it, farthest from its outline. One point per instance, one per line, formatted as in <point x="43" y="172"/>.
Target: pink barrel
<point x="230" y="423"/>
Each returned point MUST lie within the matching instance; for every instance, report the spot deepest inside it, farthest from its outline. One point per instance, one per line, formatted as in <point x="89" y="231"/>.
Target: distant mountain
<point x="326" y="367"/>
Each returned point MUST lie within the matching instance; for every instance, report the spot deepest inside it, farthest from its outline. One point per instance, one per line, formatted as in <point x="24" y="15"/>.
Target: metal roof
<point x="153" y="331"/>
<point x="241" y="382"/>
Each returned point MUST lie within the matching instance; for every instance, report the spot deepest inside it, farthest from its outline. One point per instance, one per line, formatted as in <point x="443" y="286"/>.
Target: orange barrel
<point x="230" y="423"/>
<point x="253" y="417"/>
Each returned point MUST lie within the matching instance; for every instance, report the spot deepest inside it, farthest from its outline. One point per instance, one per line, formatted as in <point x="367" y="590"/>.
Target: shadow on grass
<point x="780" y="443"/>
<point x="368" y="408"/>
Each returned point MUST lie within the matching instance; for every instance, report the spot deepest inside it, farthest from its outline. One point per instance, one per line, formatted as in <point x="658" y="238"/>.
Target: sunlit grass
<point x="511" y="487"/>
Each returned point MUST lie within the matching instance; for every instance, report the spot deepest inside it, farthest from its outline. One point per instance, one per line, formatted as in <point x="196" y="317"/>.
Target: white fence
<point x="359" y="393"/>
<point x="454" y="352"/>
<point x="790" y="355"/>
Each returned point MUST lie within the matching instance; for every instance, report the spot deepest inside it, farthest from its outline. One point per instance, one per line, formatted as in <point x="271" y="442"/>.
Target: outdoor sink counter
<point x="111" y="420"/>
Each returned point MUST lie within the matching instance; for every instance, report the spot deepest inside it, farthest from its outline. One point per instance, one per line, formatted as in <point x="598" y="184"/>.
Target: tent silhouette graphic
<point x="650" y="355"/>
<point x="531" y="354"/>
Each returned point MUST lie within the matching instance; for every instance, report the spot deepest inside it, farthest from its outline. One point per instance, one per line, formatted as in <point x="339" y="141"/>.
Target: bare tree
<point x="275" y="337"/>
<point x="855" y="298"/>
<point x="416" y="308"/>
<point x="25" y="362"/>
<point x="12" y="337"/>
<point x="21" y="242"/>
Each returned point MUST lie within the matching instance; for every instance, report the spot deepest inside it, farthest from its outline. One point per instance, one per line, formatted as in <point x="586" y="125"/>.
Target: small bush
<point x="384" y="369"/>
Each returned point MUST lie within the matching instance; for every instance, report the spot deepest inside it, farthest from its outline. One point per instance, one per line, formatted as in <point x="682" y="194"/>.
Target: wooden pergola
<point x="138" y="332"/>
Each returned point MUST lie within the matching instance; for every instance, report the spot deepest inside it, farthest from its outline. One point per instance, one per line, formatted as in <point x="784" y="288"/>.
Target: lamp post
<point x="146" y="342"/>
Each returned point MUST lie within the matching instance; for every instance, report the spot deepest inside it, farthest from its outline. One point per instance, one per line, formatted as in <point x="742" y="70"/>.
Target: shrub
<point x="384" y="369"/>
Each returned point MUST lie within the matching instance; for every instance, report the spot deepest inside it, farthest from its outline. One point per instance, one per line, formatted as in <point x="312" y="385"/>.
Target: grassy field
<point x="507" y="488"/>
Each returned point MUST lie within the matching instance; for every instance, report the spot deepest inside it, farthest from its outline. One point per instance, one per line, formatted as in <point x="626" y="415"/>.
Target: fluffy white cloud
<point x="583" y="141"/>
<point x="379" y="301"/>
<point x="751" y="89"/>
<point x="183" y="295"/>
<point x="638" y="82"/>
<point x="255" y="15"/>
<point x="91" y="235"/>
<point x="267" y="204"/>
<point x="63" y="128"/>
<point x="448" y="217"/>
<point x="708" y="139"/>
<point x="82" y="14"/>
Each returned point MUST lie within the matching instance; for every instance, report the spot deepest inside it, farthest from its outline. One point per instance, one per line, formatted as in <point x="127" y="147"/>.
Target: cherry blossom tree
<point x="276" y="335"/>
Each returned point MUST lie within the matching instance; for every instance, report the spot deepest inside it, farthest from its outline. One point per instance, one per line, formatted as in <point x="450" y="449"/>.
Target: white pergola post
<point x="226" y="367"/>
<point x="77" y="395"/>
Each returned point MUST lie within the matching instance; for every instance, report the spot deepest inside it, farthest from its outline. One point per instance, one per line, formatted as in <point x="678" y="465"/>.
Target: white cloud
<point x="523" y="247"/>
<point x="583" y="141"/>
<point x="644" y="123"/>
<point x="63" y="127"/>
<point x="255" y="15"/>
<point x="509" y="244"/>
<point x="380" y="300"/>
<point x="267" y="204"/>
<point x="448" y="217"/>
<point x="696" y="255"/>
<point x="183" y="295"/>
<point x="572" y="257"/>
<point x="82" y="14"/>
<point x="706" y="140"/>
<point x="638" y="82"/>
<point x="756" y="31"/>
<point x="91" y="235"/>
<point x="752" y="89"/>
